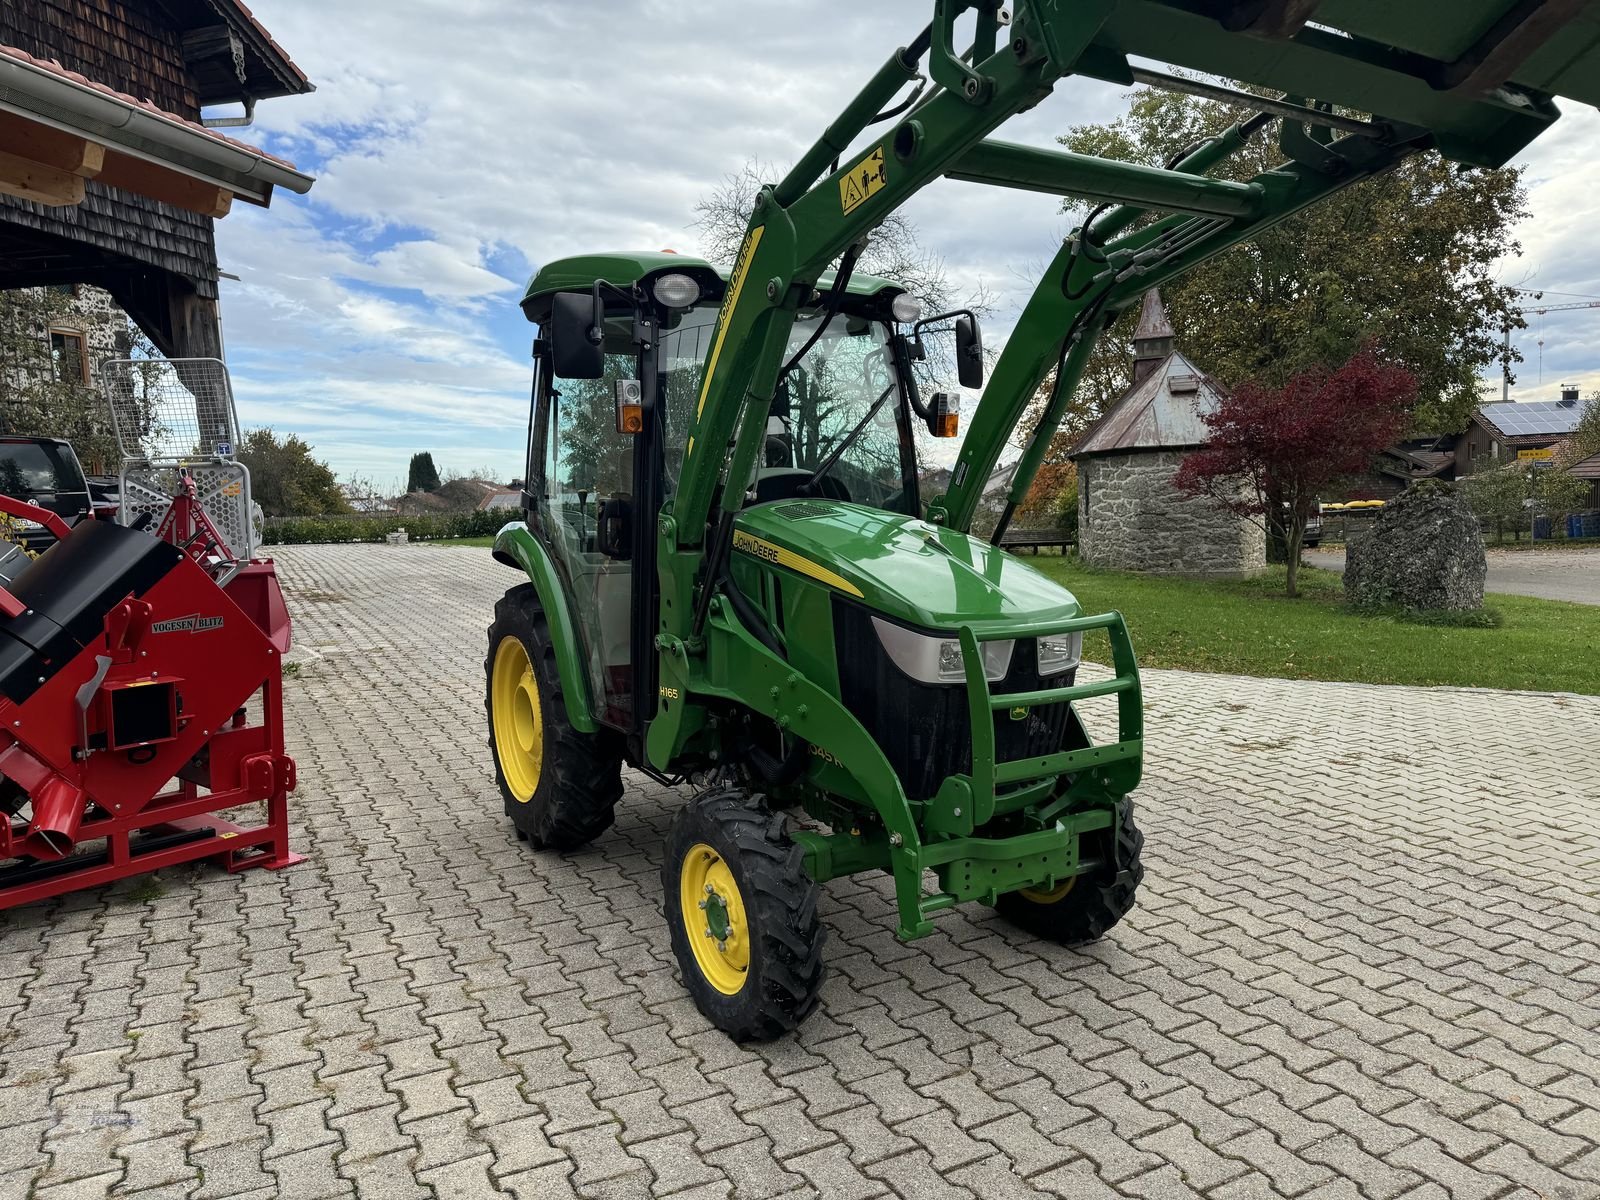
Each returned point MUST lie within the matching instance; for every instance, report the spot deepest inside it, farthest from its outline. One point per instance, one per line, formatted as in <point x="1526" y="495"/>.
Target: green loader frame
<point x="744" y="611"/>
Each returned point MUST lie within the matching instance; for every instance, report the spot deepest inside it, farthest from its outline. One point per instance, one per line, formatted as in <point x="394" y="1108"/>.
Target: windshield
<point x="840" y="412"/>
<point x="36" y="468"/>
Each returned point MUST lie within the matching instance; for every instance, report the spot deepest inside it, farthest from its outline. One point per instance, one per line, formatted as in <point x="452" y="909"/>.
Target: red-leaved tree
<point x="1274" y="450"/>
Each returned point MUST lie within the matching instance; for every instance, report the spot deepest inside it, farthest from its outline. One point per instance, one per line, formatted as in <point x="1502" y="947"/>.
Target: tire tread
<point x="583" y="771"/>
<point x="1086" y="913"/>
<point x="781" y="908"/>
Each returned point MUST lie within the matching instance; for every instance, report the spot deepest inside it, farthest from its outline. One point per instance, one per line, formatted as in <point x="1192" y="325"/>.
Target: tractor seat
<point x="783" y="483"/>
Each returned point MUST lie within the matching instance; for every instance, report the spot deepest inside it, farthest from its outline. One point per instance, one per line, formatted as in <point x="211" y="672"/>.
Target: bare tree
<point x="894" y="250"/>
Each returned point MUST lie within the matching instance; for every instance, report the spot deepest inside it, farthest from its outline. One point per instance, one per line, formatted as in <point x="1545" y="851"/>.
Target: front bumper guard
<point x="974" y="867"/>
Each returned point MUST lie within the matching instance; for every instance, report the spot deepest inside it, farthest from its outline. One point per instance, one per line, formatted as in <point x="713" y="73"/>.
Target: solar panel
<point x="1533" y="418"/>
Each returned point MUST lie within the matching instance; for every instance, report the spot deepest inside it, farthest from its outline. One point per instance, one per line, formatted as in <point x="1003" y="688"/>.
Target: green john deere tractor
<point x="735" y="576"/>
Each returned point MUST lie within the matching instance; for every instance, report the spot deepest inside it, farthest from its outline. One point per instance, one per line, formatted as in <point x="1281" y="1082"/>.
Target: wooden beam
<point x="50" y="147"/>
<point x="29" y="180"/>
<point x="165" y="184"/>
<point x="213" y="41"/>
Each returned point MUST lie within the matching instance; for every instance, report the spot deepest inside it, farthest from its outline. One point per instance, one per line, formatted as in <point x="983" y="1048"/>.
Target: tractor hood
<point x="921" y="574"/>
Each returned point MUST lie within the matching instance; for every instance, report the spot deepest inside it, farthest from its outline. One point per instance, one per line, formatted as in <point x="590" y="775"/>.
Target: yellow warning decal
<point x="862" y="181"/>
<point x="741" y="268"/>
<point x="766" y="551"/>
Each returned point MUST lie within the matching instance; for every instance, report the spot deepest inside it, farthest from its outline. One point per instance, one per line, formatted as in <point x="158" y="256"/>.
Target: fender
<point x="735" y="666"/>
<point x="515" y="546"/>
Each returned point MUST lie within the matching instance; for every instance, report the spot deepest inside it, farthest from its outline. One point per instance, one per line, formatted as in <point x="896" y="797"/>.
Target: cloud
<point x="459" y="147"/>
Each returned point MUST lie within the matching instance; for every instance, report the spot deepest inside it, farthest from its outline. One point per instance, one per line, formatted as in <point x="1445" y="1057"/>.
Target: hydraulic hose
<point x="746" y="612"/>
<point x="841" y="280"/>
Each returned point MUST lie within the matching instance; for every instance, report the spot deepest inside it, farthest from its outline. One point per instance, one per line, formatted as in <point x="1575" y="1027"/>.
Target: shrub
<point x="419" y="527"/>
<point x="1067" y="509"/>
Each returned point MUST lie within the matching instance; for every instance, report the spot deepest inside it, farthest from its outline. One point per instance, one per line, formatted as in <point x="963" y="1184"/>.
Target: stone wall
<point x="1130" y="517"/>
<point x="89" y="311"/>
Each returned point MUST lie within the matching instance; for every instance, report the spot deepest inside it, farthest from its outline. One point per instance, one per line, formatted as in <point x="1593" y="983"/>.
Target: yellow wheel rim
<point x="713" y="919"/>
<point x="1048" y="895"/>
<point x="517" y="718"/>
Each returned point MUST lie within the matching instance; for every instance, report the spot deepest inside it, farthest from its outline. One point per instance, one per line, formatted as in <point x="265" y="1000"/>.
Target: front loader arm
<point x="1429" y="74"/>
<point x="801" y="226"/>
<point x="1056" y="330"/>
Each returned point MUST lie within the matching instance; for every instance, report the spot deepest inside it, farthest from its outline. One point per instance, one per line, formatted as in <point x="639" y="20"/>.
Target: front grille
<point x="924" y="729"/>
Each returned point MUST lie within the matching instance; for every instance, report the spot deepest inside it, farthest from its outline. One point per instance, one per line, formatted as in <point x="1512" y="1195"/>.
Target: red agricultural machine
<point x="141" y="660"/>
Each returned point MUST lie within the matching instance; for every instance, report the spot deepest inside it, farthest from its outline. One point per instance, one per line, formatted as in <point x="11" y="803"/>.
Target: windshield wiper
<point x="837" y="452"/>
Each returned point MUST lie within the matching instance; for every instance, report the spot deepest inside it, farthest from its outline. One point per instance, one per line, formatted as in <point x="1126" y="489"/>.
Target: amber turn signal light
<point x="630" y="406"/>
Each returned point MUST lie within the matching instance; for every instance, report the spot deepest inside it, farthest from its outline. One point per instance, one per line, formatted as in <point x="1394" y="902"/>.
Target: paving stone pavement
<point x="1365" y="964"/>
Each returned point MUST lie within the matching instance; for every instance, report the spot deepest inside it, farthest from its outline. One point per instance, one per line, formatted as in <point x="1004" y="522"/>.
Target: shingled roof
<point x="1163" y="408"/>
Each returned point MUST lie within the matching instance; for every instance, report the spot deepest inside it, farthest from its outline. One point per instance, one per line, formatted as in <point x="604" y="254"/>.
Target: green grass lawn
<point x="1251" y="628"/>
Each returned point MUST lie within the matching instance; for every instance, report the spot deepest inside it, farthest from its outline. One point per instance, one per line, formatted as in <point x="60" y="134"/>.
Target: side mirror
<point x="614" y="528"/>
<point x="573" y="352"/>
<point x="969" y="351"/>
<point x="969" y="345"/>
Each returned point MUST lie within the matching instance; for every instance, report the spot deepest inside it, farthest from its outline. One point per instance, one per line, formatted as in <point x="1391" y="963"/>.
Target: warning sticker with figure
<point x="862" y="181"/>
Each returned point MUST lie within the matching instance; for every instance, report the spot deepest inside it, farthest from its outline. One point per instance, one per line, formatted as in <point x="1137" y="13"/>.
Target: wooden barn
<point x="109" y="173"/>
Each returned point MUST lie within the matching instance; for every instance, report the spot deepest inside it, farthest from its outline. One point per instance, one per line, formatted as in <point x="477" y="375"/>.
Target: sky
<point x="457" y="146"/>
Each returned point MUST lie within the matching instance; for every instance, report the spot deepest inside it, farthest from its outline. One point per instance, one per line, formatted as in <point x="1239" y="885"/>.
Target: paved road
<point x="1551" y="574"/>
<point x="1364" y="968"/>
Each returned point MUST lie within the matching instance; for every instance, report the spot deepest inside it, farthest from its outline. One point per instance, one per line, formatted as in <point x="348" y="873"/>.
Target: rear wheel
<point x="560" y="785"/>
<point x="742" y="913"/>
<point x="1085" y="907"/>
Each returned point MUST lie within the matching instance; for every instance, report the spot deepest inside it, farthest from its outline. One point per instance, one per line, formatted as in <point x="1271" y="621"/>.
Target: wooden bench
<point x="1016" y="539"/>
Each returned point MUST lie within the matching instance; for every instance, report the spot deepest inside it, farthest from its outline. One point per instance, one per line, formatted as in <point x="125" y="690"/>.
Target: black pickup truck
<point x="46" y="472"/>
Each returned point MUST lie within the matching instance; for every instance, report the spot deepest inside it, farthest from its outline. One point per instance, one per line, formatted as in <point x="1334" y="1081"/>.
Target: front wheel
<point x="742" y="913"/>
<point x="1085" y="907"/>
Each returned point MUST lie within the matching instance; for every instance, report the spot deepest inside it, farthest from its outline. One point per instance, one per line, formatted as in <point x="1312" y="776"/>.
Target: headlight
<point x="675" y="291"/>
<point x="1059" y="652"/>
<point x="931" y="659"/>
<point x="905" y="308"/>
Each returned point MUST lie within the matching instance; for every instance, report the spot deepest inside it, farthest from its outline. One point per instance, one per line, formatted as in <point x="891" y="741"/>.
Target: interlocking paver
<point x="1363" y="966"/>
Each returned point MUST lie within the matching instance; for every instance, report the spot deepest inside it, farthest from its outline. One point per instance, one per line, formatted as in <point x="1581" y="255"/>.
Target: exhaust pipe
<point x="58" y="806"/>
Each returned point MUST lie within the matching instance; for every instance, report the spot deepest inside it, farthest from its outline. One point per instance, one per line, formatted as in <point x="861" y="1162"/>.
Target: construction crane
<point x="1539" y="310"/>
